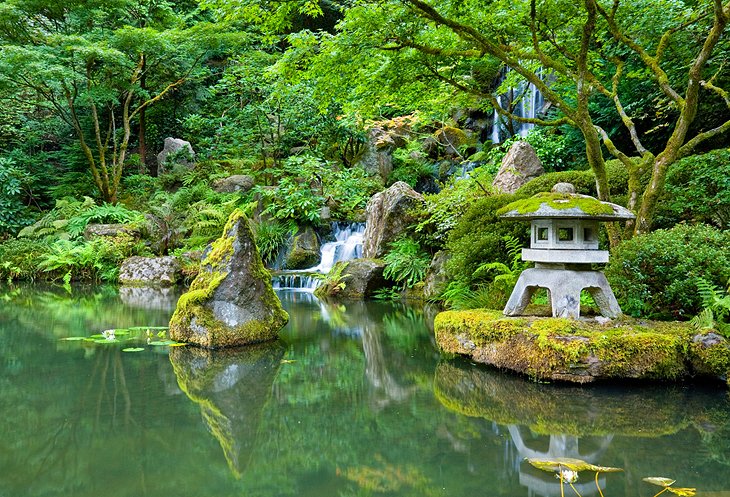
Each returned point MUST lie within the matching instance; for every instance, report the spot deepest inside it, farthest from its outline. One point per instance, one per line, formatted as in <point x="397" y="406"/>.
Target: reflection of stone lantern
<point x="563" y="245"/>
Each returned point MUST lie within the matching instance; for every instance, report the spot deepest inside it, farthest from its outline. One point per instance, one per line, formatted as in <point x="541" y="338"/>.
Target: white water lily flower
<point x="108" y="334"/>
<point x="568" y="475"/>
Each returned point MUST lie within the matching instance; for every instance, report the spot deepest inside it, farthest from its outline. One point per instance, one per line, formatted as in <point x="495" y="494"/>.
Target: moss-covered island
<point x="231" y="302"/>
<point x="584" y="350"/>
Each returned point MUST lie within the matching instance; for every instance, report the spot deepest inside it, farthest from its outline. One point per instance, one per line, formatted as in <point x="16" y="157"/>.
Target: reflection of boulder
<point x="162" y="298"/>
<point x="558" y="409"/>
<point x="231" y="386"/>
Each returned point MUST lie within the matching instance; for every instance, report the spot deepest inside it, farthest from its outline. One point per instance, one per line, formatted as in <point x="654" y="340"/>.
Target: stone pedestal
<point x="564" y="287"/>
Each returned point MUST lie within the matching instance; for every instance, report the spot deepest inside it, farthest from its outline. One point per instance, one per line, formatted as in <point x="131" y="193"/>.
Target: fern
<point x="716" y="308"/>
<point x="405" y="263"/>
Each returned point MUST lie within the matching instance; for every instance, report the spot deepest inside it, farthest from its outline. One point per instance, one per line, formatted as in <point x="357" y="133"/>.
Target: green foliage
<point x="333" y="282"/>
<point x="19" y="258"/>
<point x="291" y="201"/>
<point x="506" y="275"/>
<point x="584" y="180"/>
<point x="441" y="211"/>
<point x="271" y="236"/>
<point x="410" y="165"/>
<point x="697" y="190"/>
<point x="103" y="214"/>
<point x="478" y="237"/>
<point x="406" y="263"/>
<point x="13" y="213"/>
<point x="656" y="275"/>
<point x="716" y="308"/>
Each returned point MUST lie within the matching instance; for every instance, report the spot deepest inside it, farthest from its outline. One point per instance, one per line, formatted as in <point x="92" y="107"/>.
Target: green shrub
<point x="697" y="190"/>
<point x="656" y="275"/>
<point x="13" y="212"/>
<point x="406" y="263"/>
<point x="478" y="237"/>
<point x="584" y="181"/>
<point x="19" y="258"/>
<point x="271" y="236"/>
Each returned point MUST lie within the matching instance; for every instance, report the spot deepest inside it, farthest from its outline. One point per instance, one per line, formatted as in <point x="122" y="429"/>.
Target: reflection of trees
<point x="385" y="388"/>
<point x="231" y="388"/>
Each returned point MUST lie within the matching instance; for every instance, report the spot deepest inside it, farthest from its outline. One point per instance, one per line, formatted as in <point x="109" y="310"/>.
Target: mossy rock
<point x="581" y="351"/>
<point x="231" y="301"/>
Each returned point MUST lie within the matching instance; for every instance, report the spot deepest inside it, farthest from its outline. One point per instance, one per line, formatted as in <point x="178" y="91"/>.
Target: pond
<point x="354" y="400"/>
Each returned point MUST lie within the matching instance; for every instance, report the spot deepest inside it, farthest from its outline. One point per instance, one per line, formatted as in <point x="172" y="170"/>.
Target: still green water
<point x="353" y="401"/>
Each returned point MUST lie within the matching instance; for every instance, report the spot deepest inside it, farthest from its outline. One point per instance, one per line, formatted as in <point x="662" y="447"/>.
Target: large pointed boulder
<point x="520" y="165"/>
<point x="231" y="301"/>
<point x="389" y="213"/>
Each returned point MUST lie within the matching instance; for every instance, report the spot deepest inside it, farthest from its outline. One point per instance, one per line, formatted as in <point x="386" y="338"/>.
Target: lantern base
<point x="564" y="287"/>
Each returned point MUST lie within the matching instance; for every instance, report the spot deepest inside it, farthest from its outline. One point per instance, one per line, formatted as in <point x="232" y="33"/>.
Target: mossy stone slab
<point x="583" y="350"/>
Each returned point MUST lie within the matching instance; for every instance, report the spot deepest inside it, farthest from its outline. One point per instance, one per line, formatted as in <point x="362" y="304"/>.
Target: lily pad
<point x="133" y="349"/>
<point x="178" y="344"/>
<point x="561" y="463"/>
<point x="659" y="481"/>
<point x="105" y="340"/>
<point x="159" y="343"/>
<point x="74" y="339"/>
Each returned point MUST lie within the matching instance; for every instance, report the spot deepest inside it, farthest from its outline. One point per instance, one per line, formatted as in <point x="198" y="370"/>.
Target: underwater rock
<point x="231" y="301"/>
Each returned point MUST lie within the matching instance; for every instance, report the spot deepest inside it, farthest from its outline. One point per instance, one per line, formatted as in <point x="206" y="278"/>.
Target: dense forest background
<point x="298" y="95"/>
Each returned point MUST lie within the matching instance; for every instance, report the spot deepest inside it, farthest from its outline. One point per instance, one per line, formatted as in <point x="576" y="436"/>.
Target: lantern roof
<point x="562" y="205"/>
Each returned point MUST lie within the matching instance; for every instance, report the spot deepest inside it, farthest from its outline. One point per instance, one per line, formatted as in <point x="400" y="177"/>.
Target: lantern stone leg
<point x="565" y="287"/>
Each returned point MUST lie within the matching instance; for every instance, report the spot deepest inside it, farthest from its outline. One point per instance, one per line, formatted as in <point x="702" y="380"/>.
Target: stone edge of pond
<point x="585" y="350"/>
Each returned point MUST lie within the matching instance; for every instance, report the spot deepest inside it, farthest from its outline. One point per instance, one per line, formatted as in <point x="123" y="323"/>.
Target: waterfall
<point x="346" y="246"/>
<point x="530" y="105"/>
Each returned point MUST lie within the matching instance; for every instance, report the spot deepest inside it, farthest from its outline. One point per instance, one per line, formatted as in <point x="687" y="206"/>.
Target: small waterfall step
<point x="347" y="245"/>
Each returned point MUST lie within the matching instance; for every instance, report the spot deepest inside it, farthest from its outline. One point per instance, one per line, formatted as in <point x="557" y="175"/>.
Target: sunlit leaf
<point x="178" y="344"/>
<point x="659" y="481"/>
<point x="560" y="463"/>
<point x="683" y="492"/>
<point x="133" y="349"/>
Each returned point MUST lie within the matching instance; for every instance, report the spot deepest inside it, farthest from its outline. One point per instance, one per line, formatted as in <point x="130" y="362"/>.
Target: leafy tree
<point x="584" y="57"/>
<point x="98" y="66"/>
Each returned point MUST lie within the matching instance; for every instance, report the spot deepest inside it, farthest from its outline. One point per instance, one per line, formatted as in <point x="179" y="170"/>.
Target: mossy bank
<point x="583" y="351"/>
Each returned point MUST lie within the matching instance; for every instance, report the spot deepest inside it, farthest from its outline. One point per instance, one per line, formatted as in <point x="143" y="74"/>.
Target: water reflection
<point x="163" y="299"/>
<point x="231" y="388"/>
<point x="551" y="421"/>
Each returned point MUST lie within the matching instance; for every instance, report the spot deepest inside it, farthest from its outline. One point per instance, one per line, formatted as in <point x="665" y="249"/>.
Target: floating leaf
<point x="683" y="492"/>
<point x="133" y="349"/>
<point x="97" y="335"/>
<point x="121" y="332"/>
<point x="659" y="481"/>
<point x="178" y="344"/>
<point x="104" y="340"/>
<point x="161" y="342"/>
<point x="559" y="463"/>
<point x="73" y="339"/>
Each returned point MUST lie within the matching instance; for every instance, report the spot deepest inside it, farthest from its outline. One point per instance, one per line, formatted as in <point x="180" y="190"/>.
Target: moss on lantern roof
<point x="563" y="205"/>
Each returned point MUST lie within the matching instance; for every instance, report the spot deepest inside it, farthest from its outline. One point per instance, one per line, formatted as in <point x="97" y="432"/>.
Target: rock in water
<point x="520" y="165"/>
<point x="231" y="301"/>
<point x="389" y="213"/>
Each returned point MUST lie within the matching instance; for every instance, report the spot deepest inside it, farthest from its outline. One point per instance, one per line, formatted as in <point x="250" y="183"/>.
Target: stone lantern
<point x="563" y="245"/>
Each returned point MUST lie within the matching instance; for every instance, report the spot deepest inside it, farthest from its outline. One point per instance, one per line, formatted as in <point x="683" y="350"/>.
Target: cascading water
<point x="524" y="101"/>
<point x="346" y="246"/>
